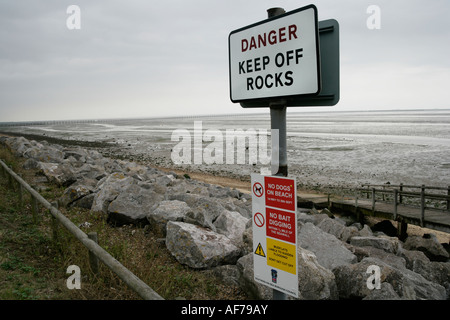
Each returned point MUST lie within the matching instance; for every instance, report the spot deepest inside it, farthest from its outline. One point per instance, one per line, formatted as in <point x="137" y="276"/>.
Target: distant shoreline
<point x="329" y="152"/>
<point x="291" y="111"/>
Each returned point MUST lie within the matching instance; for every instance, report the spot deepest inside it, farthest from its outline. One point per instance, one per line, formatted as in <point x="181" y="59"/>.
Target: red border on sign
<point x="259" y="222"/>
<point x="280" y="224"/>
<point x="280" y="193"/>
<point x="261" y="188"/>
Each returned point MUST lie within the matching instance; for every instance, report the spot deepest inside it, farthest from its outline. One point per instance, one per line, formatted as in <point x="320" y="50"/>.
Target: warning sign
<point x="259" y="220"/>
<point x="277" y="57"/>
<point x="280" y="224"/>
<point x="258" y="189"/>
<point x="274" y="204"/>
<point x="280" y="193"/>
<point x="281" y="255"/>
<point x="259" y="250"/>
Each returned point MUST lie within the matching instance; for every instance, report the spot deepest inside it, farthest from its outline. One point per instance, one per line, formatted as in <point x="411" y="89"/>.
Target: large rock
<point x="231" y="224"/>
<point x="181" y="186"/>
<point x="330" y="251"/>
<point x="205" y="210"/>
<point x="385" y="227"/>
<point x="58" y="173"/>
<point x="44" y="154"/>
<point x="132" y="206"/>
<point x="438" y="272"/>
<point x="255" y="289"/>
<point x="389" y="258"/>
<point x="199" y="247"/>
<point x="17" y="145"/>
<point x="78" y="153"/>
<point x="388" y="244"/>
<point x="337" y="229"/>
<point x="90" y="171"/>
<point x="352" y="281"/>
<point x="386" y="292"/>
<point x="314" y="281"/>
<point x="76" y="191"/>
<point x="108" y="189"/>
<point x="167" y="210"/>
<point x="429" y="245"/>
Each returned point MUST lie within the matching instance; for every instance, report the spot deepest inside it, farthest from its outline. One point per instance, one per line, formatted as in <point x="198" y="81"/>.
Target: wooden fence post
<point x="400" y="200"/>
<point x="448" y="200"/>
<point x="93" y="260"/>
<point x="55" y="224"/>
<point x="20" y="195"/>
<point x="10" y="182"/>
<point x="395" y="203"/>
<point x="329" y="202"/>
<point x="402" y="228"/>
<point x="373" y="199"/>
<point x="34" y="208"/>
<point x="422" y="205"/>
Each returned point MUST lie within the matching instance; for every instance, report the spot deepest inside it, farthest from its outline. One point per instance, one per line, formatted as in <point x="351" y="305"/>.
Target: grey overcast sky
<point x="145" y="58"/>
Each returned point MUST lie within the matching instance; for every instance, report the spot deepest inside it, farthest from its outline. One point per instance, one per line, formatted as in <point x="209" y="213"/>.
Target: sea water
<point x="324" y="148"/>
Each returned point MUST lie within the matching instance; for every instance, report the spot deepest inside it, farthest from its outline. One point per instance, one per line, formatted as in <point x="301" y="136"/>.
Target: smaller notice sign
<point x="274" y="210"/>
<point x="280" y="193"/>
<point x="281" y="255"/>
<point x="281" y="224"/>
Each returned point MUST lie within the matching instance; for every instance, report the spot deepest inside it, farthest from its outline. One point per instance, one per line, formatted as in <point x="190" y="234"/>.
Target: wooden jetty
<point x="429" y="207"/>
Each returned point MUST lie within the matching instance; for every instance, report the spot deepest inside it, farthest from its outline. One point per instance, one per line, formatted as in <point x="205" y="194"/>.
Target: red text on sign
<point x="280" y="225"/>
<point x="272" y="37"/>
<point x="280" y="193"/>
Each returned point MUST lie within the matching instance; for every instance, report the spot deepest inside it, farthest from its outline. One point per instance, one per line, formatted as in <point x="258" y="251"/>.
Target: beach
<point x="146" y="179"/>
<point x="326" y="150"/>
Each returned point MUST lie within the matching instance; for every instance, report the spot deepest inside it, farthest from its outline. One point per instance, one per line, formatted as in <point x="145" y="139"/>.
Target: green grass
<point x="33" y="264"/>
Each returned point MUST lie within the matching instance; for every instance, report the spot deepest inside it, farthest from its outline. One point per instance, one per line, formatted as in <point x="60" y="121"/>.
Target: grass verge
<point x="33" y="263"/>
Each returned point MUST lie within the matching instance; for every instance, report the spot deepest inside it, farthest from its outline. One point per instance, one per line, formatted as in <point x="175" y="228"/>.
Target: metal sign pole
<point x="278" y="122"/>
<point x="279" y="159"/>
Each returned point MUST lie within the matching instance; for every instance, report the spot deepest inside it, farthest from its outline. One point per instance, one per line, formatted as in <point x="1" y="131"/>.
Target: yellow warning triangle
<point x="259" y="251"/>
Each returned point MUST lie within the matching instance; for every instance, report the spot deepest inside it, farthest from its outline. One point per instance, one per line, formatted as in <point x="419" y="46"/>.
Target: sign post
<point x="277" y="63"/>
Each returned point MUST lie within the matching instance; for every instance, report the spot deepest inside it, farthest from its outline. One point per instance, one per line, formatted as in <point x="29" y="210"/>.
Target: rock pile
<point x="209" y="227"/>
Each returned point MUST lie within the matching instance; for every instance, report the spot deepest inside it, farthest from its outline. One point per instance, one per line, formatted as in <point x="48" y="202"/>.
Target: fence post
<point x="93" y="260"/>
<point x="402" y="228"/>
<point x="10" y="182"/>
<point x="55" y="224"/>
<point x="328" y="202"/>
<point x="395" y="203"/>
<point x="20" y="194"/>
<point x="373" y="199"/>
<point x="34" y="208"/>
<point x="448" y="200"/>
<point x="422" y="205"/>
<point x="400" y="200"/>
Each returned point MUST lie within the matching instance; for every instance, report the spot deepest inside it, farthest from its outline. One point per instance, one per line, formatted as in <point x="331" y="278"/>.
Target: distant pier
<point x="424" y="206"/>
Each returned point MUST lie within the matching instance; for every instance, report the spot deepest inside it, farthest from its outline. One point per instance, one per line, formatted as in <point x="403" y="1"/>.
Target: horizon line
<point x="101" y="120"/>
